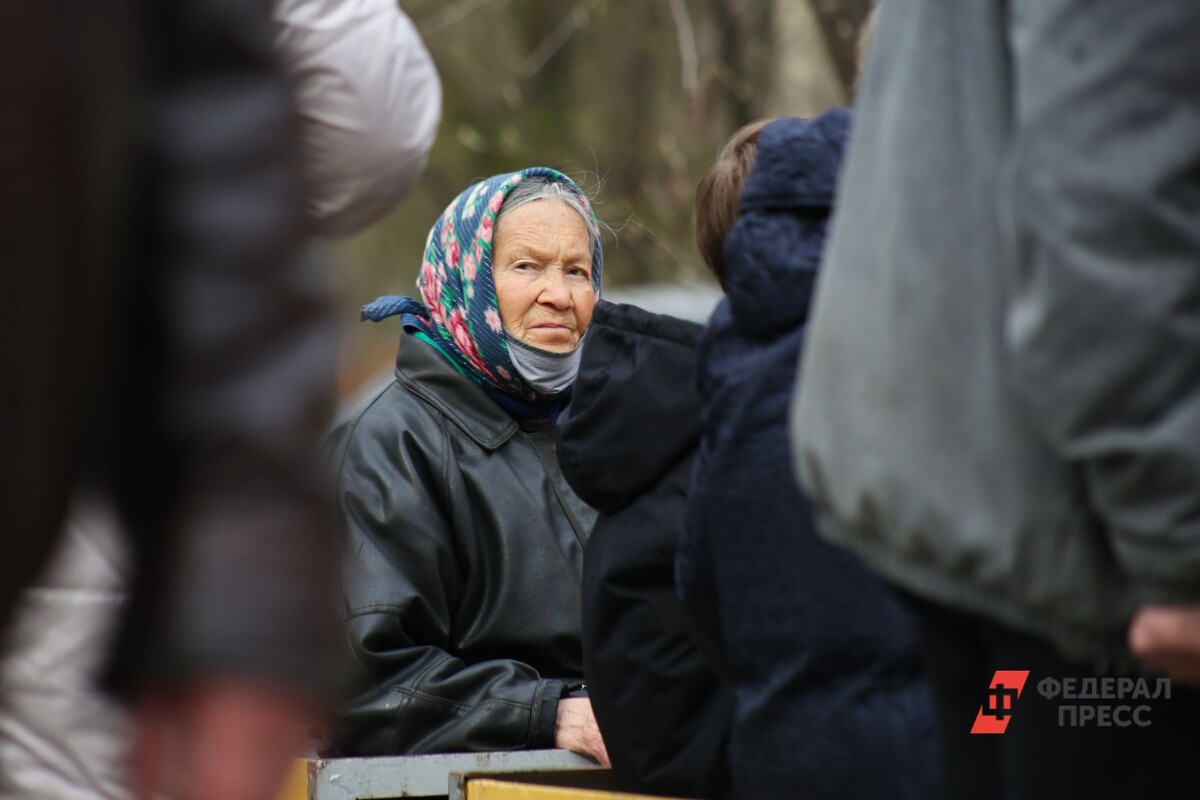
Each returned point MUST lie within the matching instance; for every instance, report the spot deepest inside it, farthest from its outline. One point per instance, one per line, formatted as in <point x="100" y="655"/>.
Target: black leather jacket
<point x="462" y="553"/>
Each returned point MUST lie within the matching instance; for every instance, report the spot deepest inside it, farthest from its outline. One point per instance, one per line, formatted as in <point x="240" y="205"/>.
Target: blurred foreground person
<point x="627" y="444"/>
<point x="166" y="143"/>
<point x="369" y="101"/>
<point x="831" y="696"/>
<point x="150" y="202"/>
<point x="1000" y="400"/>
<point x="462" y="542"/>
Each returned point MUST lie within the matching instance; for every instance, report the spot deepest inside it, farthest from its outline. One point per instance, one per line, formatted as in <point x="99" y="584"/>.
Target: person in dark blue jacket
<point x="831" y="696"/>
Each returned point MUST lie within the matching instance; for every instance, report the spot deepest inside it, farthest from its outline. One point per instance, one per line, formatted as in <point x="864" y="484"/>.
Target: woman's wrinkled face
<point x="542" y="264"/>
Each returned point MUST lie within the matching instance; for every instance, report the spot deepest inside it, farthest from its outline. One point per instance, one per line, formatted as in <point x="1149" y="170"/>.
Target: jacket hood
<point x="635" y="412"/>
<point x="773" y="250"/>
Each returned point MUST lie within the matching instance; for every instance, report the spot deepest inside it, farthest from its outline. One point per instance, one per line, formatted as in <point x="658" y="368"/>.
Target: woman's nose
<point x="554" y="291"/>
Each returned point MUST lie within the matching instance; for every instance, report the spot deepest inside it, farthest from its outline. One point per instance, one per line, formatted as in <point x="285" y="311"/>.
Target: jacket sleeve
<point x="664" y="713"/>
<point x="402" y="584"/>
<point x="369" y="100"/>
<point x="1104" y="322"/>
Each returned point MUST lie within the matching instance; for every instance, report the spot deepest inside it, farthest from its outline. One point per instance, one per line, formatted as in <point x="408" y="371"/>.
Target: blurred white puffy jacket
<point x="369" y="100"/>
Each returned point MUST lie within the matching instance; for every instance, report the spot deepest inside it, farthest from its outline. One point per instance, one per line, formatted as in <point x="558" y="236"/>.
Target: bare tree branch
<point x="689" y="61"/>
<point x="562" y="33"/>
<point x="451" y="15"/>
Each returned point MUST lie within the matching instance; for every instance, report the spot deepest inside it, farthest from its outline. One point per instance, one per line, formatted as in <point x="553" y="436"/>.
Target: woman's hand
<point x="577" y="729"/>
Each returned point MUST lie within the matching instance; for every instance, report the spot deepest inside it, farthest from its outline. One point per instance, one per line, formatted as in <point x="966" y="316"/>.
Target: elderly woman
<point x="463" y="544"/>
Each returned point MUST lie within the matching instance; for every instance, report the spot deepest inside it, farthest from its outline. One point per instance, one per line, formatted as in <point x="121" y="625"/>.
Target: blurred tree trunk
<point x="807" y="80"/>
<point x="840" y="21"/>
<point x="742" y="48"/>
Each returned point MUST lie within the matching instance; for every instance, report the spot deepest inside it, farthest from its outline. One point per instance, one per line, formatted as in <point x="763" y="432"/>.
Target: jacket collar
<point x="424" y="372"/>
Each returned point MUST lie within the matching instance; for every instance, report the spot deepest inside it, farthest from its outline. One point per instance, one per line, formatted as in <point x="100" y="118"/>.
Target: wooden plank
<point x="593" y="779"/>
<point x="493" y="789"/>
<point x="295" y="784"/>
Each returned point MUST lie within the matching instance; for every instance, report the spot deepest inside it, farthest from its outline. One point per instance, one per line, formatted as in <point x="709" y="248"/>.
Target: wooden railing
<point x="456" y="776"/>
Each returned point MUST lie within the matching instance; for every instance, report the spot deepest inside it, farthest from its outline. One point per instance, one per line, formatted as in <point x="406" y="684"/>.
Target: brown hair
<point x="719" y="192"/>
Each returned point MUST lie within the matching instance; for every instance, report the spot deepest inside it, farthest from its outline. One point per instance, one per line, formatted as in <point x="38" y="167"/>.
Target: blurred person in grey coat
<point x="999" y="406"/>
<point x="180" y="186"/>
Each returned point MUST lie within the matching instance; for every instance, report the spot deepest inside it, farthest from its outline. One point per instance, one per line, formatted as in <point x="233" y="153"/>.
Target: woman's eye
<point x="523" y="265"/>
<point x="578" y="272"/>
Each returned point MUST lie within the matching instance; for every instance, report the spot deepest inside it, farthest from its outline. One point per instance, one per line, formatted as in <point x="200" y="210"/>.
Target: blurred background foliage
<point x="632" y="99"/>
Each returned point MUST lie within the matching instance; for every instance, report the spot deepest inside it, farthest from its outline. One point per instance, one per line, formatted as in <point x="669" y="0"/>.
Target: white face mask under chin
<point x="545" y="371"/>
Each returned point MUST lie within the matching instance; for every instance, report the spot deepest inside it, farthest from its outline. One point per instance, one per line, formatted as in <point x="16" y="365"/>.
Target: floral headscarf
<point x="458" y="309"/>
